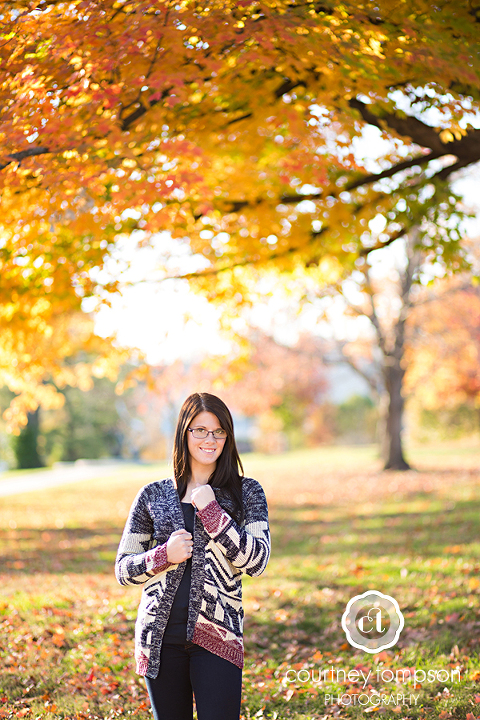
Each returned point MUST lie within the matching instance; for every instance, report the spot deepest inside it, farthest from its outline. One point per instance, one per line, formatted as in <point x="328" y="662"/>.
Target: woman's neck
<point x="195" y="480"/>
<point x="199" y="477"/>
<point x="199" y="474"/>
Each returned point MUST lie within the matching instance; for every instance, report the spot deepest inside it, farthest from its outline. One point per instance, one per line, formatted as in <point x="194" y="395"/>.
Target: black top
<point x="176" y="630"/>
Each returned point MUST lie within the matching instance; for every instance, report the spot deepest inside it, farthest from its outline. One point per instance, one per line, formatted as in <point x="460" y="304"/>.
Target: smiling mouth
<point x="210" y="451"/>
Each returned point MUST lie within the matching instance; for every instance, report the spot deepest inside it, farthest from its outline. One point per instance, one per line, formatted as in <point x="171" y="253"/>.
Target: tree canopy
<point x="231" y="125"/>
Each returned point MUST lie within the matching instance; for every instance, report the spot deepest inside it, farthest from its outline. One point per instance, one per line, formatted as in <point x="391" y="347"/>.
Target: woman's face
<point x="205" y="452"/>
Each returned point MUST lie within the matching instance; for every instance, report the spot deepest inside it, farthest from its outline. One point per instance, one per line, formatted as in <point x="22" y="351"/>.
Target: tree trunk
<point x="70" y="453"/>
<point x="394" y="380"/>
<point x="25" y="445"/>
<point x="394" y="358"/>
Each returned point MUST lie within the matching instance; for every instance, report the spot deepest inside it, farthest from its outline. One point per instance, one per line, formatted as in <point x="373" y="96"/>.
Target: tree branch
<point x="405" y="165"/>
<point x="419" y="132"/>
<point x="333" y="192"/>
<point x="19" y="156"/>
<point x="142" y="110"/>
<point x="364" y="252"/>
<point x="255" y="260"/>
<point x="373" y="317"/>
<point x="406" y="282"/>
<point x="467" y="148"/>
<point x="446" y="172"/>
<point x="374" y="386"/>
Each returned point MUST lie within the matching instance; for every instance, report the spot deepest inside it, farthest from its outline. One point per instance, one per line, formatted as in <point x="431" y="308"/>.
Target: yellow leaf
<point x="446" y="136"/>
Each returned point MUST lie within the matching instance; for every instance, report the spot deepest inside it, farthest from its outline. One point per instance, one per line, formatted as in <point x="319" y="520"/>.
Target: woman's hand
<point x="202" y="495"/>
<point x="179" y="546"/>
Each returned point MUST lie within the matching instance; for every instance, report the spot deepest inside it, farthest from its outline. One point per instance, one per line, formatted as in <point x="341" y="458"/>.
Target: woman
<point x="189" y="540"/>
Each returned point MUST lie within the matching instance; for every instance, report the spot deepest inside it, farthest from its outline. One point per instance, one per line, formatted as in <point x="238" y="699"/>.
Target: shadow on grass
<point x="428" y="559"/>
<point x="423" y="549"/>
<point x="437" y="528"/>
<point x="53" y="550"/>
<point x="448" y="530"/>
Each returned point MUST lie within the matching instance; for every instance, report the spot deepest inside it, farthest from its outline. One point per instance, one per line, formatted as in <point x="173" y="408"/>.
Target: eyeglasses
<point x="201" y="433"/>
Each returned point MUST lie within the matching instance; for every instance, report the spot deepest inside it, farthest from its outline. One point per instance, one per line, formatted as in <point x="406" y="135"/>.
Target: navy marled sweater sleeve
<point x="247" y="547"/>
<point x="136" y="560"/>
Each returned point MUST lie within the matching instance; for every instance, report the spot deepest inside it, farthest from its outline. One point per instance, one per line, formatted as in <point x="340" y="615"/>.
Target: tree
<point x="87" y="426"/>
<point x="25" y="444"/>
<point x="387" y="302"/>
<point x="42" y="353"/>
<point x="424" y="340"/>
<point x="280" y="386"/>
<point x="142" y="116"/>
<point x="444" y="347"/>
<point x="276" y="386"/>
<point x="149" y="415"/>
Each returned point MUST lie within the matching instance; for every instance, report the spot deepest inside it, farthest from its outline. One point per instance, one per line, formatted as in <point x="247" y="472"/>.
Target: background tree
<point x="26" y="446"/>
<point x="130" y="116"/>
<point x="423" y="340"/>
<point x="444" y="349"/>
<point x="282" y="387"/>
<point x="149" y="413"/>
<point x="387" y="303"/>
<point x="87" y="426"/>
<point x="63" y="353"/>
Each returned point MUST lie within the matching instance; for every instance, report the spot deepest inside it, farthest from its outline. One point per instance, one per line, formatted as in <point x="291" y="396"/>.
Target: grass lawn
<point x="340" y="526"/>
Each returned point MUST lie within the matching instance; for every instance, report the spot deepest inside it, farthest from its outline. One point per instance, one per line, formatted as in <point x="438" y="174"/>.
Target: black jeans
<point x="189" y="670"/>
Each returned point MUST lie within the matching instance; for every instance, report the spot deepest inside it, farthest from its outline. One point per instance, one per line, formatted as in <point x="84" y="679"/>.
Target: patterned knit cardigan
<point x="222" y="551"/>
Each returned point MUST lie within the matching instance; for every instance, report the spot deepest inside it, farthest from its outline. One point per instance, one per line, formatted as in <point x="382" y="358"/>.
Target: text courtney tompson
<point x="402" y="675"/>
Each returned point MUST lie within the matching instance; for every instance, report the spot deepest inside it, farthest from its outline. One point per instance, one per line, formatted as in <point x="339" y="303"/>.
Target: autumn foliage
<point x="445" y="347"/>
<point x="229" y="124"/>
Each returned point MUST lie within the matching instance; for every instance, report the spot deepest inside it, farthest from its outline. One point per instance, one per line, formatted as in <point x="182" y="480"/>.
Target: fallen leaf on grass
<point x="381" y="657"/>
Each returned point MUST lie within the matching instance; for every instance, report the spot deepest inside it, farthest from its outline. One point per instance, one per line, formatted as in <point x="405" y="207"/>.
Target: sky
<point x="164" y="319"/>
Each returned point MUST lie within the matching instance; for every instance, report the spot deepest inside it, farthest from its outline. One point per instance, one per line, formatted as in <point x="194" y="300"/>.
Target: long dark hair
<point x="229" y="469"/>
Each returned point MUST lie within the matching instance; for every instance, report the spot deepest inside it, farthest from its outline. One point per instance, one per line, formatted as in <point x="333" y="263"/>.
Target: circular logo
<point x="372" y="621"/>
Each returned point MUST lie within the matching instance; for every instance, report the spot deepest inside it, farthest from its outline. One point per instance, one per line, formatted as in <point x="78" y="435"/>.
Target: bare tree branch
<point x="374" y="386"/>
<point x="373" y="317"/>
